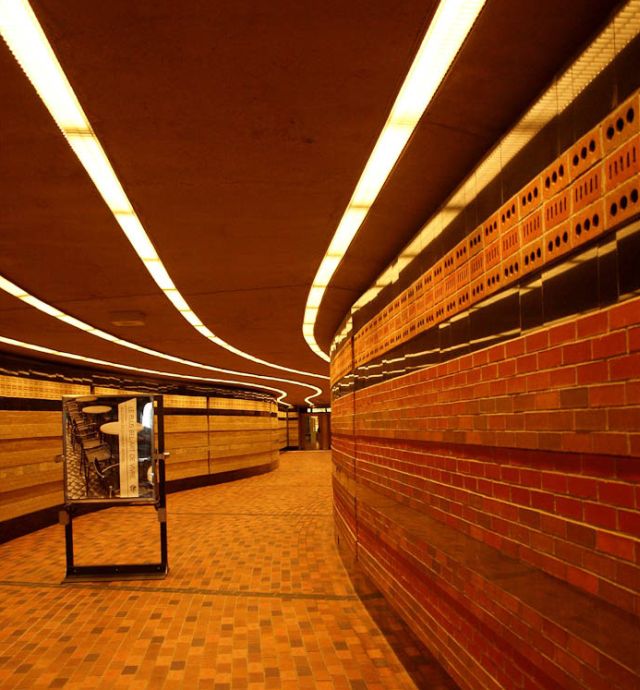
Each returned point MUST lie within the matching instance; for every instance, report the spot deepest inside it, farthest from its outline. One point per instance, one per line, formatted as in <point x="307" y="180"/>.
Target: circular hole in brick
<point x="547" y="182"/>
<point x="550" y="245"/>
<point x="592" y="145"/>
<point x="503" y="218"/>
<point x="587" y="225"/>
<point x="565" y="236"/>
<point x="513" y="209"/>
<point x="634" y="196"/>
<point x="529" y="196"/>
<point x="630" y="115"/>
<point x="624" y="202"/>
<point x="526" y="260"/>
<point x="583" y="152"/>
<point x="596" y="220"/>
<point x="495" y="224"/>
<point x="619" y="124"/>
<point x="576" y="159"/>
<point x="579" y="229"/>
<point x="614" y="208"/>
<point x="561" y="170"/>
<point x="610" y="132"/>
<point x="557" y="240"/>
<point x="554" y="176"/>
<point x="538" y="252"/>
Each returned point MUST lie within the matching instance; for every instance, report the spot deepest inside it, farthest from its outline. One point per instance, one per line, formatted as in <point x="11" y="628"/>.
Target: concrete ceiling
<point x="238" y="130"/>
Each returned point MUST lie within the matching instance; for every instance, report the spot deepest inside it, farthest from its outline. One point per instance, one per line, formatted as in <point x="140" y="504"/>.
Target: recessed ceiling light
<point x="127" y="319"/>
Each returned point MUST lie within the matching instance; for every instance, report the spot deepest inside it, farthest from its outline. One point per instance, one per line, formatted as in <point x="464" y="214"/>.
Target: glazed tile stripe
<point x="204" y="412"/>
<point x="588" y="191"/>
<point x="38" y="405"/>
<point x="578" y="197"/>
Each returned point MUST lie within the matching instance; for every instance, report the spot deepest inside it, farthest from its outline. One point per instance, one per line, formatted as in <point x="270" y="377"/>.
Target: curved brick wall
<point x="486" y="429"/>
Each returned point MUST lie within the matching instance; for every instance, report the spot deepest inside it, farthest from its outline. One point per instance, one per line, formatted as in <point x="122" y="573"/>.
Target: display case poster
<point x="108" y="448"/>
<point x="128" y="442"/>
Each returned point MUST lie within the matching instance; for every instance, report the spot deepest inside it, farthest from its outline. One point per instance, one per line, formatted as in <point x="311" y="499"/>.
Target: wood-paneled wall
<point x="31" y="443"/>
<point x="204" y="435"/>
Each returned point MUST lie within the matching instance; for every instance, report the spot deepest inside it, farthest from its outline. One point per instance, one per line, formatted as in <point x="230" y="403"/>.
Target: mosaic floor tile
<point x="257" y="597"/>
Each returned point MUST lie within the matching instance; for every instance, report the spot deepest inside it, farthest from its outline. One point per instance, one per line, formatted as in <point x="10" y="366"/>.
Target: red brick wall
<point x="529" y="449"/>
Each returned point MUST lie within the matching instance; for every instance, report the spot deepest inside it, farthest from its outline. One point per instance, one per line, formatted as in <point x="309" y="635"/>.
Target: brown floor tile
<point x="256" y="598"/>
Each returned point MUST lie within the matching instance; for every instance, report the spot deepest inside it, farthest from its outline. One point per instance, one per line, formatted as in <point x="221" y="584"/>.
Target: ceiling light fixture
<point x="623" y="28"/>
<point x="446" y="33"/>
<point x="50" y="310"/>
<point x="26" y="40"/>
<point x="141" y="370"/>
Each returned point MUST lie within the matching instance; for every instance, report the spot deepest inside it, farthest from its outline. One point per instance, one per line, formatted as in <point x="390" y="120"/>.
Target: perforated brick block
<point x="492" y="255"/>
<point x="557" y="242"/>
<point x="463" y="298"/>
<point x="438" y="314"/>
<point x="474" y="242"/>
<point x="556" y="210"/>
<point x="477" y="290"/>
<point x="510" y="242"/>
<point x="493" y="280"/>
<point x="476" y="266"/>
<point x="532" y="256"/>
<point x="490" y="229"/>
<point x="556" y="177"/>
<point x="511" y="268"/>
<point x="530" y="197"/>
<point x="622" y="164"/>
<point x="585" y="152"/>
<point x="588" y="223"/>
<point x="449" y="285"/>
<point x="531" y="227"/>
<point x="586" y="189"/>
<point x="621" y="125"/>
<point x="622" y="204"/>
<point x="508" y="214"/>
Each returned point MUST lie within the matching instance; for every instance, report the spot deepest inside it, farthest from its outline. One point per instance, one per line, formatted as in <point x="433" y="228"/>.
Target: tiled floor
<point x="256" y="598"/>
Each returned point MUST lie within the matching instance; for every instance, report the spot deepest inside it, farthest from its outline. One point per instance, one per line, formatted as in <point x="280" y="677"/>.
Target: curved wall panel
<point x="486" y="427"/>
<point x="210" y="437"/>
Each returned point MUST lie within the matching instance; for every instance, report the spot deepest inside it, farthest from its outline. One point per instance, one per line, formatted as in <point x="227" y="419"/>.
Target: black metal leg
<point x="68" y="540"/>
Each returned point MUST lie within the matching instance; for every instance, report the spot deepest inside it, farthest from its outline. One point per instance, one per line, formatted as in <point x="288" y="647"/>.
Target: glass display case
<point x="113" y="456"/>
<point x="109" y="449"/>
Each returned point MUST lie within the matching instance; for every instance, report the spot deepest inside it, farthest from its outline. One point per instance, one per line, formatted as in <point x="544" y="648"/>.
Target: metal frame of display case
<point x="125" y="571"/>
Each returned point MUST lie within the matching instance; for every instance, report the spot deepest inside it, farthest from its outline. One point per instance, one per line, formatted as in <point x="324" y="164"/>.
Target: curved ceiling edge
<point x="609" y="43"/>
<point x="21" y="294"/>
<point x="157" y="372"/>
<point x="27" y="42"/>
<point x="447" y="32"/>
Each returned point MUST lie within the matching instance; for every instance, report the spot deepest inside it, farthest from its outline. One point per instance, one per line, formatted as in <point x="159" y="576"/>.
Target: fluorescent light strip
<point x="446" y="33"/>
<point x="29" y="45"/>
<point x="50" y="310"/>
<point x="116" y="365"/>
<point x="624" y="27"/>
